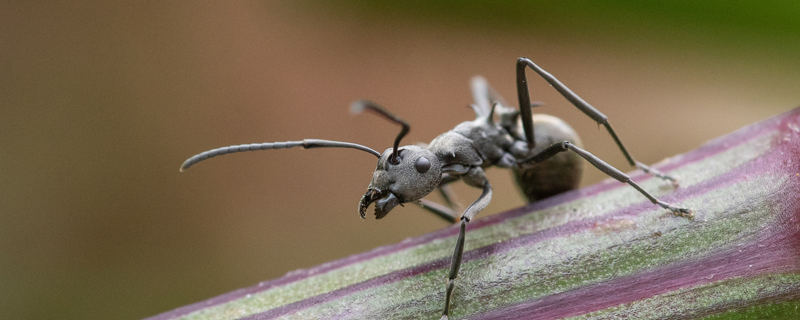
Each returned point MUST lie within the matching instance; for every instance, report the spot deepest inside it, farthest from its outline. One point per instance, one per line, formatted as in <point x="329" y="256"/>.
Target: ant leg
<point x="455" y="262"/>
<point x="449" y="197"/>
<point x="439" y="210"/>
<point x="447" y="193"/>
<point x="585" y="107"/>
<point x="525" y="104"/>
<point x="450" y="211"/>
<point x="607" y="169"/>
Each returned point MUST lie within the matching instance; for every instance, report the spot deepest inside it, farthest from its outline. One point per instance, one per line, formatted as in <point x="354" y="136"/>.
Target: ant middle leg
<point x="439" y="210"/>
<point x="447" y="194"/>
<point x="585" y="107"/>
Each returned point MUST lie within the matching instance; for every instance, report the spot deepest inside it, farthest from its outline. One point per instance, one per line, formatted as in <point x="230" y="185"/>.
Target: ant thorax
<point x="479" y="143"/>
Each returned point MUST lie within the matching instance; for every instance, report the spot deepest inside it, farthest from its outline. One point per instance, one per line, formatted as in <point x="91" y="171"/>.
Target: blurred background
<point x="100" y="102"/>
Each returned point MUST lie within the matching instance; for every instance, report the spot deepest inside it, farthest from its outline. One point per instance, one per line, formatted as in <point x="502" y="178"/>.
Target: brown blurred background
<point x="100" y="102"/>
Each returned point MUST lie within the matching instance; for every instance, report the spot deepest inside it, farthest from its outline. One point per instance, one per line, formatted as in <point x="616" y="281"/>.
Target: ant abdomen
<point x="555" y="175"/>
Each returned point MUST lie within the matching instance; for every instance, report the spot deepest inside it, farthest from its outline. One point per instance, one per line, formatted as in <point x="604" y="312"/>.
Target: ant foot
<point x="657" y="174"/>
<point x="678" y="211"/>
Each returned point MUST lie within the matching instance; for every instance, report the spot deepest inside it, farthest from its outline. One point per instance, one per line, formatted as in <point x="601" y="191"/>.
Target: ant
<point x="543" y="152"/>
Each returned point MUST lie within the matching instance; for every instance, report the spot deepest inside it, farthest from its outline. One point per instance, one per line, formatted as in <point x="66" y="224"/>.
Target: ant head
<point x="409" y="176"/>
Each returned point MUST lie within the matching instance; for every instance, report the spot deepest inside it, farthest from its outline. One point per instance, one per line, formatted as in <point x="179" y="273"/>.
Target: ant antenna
<point x="359" y="106"/>
<point x="306" y="144"/>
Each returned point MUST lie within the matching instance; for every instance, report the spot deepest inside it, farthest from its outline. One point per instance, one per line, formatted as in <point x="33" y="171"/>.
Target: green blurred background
<point x="100" y="102"/>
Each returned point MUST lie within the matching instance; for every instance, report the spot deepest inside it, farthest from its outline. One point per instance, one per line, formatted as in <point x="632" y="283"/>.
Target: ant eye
<point x="422" y="165"/>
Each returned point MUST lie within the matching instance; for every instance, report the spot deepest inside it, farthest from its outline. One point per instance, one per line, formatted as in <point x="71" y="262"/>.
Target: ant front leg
<point x="474" y="178"/>
<point x="439" y="210"/>
<point x="585" y="107"/>
<point x="447" y="193"/>
<point x="607" y="169"/>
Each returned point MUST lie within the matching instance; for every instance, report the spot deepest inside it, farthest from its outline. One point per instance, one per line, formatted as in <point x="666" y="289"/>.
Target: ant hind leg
<point x="607" y="169"/>
<point x="585" y="107"/>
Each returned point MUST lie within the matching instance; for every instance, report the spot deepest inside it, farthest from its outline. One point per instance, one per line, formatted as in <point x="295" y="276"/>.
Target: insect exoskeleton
<point x="412" y="175"/>
<point x="544" y="152"/>
<point x="558" y="174"/>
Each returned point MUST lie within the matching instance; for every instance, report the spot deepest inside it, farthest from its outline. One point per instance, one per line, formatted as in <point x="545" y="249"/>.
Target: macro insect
<point x="544" y="153"/>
